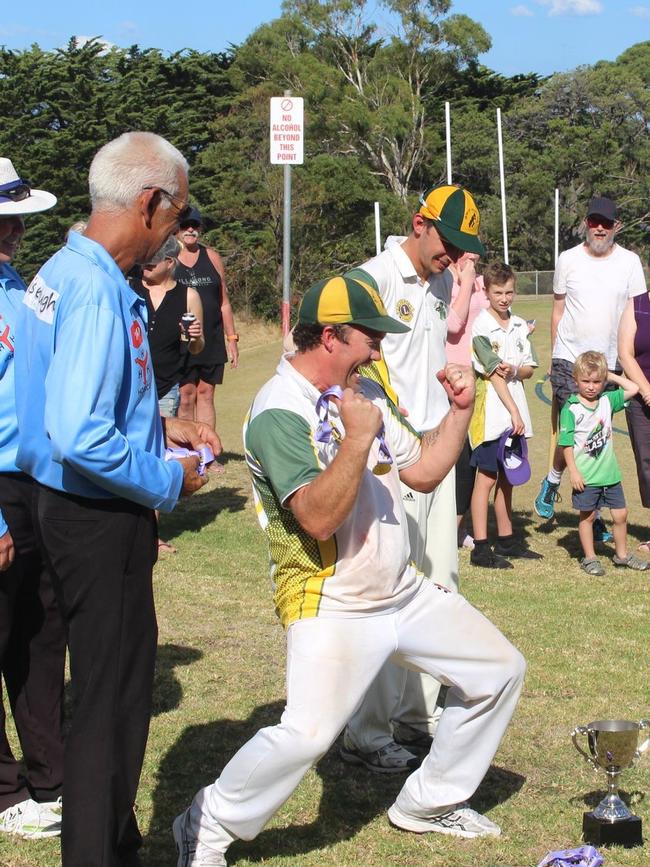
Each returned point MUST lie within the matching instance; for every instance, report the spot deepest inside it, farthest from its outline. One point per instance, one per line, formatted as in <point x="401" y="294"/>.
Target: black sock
<point x="480" y="543"/>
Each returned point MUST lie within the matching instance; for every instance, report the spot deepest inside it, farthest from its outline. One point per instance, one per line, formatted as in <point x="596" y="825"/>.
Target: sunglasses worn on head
<point x="184" y="208"/>
<point x="594" y="220"/>
<point x="18" y="193"/>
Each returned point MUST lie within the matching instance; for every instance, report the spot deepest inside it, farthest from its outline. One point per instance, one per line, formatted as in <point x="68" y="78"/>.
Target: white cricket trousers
<point x="397" y="695"/>
<point x="330" y="663"/>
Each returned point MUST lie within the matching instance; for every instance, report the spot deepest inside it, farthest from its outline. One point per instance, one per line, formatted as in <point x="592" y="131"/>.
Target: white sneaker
<point x="32" y="820"/>
<point x="389" y="759"/>
<point x="190" y="852"/>
<point x="459" y="821"/>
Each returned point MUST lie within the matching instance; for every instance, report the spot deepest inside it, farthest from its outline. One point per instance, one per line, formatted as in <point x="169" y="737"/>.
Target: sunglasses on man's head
<point x="594" y="220"/>
<point x="18" y="193"/>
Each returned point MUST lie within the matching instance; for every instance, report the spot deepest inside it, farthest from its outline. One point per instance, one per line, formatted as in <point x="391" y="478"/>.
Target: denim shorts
<point x="597" y="497"/>
<point x="168" y="404"/>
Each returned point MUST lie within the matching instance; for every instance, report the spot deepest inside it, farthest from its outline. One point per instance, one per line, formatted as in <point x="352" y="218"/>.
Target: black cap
<point x="603" y="207"/>
<point x="192" y="216"/>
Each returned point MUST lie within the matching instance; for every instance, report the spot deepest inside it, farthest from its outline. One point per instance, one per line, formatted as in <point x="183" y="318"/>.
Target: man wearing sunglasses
<point x="399" y="714"/>
<point x="32" y="637"/>
<point x="92" y="438"/>
<point x="592" y="283"/>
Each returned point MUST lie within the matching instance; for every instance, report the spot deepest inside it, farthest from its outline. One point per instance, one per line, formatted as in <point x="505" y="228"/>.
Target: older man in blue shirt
<point x="91" y="436"/>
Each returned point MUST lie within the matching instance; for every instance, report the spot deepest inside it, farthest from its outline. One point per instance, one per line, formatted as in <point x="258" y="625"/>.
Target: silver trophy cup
<point x="613" y="747"/>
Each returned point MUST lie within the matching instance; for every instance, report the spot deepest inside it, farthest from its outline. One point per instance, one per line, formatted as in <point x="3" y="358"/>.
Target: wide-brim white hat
<point x="37" y="200"/>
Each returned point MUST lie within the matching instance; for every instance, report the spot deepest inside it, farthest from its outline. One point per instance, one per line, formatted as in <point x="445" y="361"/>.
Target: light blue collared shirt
<point x="85" y="394"/>
<point x="12" y="290"/>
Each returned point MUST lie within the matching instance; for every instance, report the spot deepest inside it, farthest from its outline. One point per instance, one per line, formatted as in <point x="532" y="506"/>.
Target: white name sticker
<point x="41" y="299"/>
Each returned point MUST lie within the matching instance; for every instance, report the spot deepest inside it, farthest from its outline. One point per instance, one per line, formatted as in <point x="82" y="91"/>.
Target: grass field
<point x="221" y="675"/>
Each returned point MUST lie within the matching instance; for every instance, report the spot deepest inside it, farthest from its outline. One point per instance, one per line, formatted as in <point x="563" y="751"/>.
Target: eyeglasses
<point x="190" y="224"/>
<point x="16" y="194"/>
<point x="184" y="208"/>
<point x="594" y="220"/>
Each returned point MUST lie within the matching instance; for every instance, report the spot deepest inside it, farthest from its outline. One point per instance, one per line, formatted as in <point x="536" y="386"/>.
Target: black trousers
<point x="32" y="657"/>
<point x="465" y="474"/>
<point x="101" y="554"/>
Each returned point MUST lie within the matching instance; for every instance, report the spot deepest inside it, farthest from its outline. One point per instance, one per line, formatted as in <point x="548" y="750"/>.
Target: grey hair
<point x="121" y="168"/>
<point x="169" y="250"/>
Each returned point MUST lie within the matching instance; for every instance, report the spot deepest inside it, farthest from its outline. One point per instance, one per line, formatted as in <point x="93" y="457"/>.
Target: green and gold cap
<point x="348" y="301"/>
<point x="456" y="216"/>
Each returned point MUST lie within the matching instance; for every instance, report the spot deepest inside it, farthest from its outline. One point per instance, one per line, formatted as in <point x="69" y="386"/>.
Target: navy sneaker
<point x="546" y="499"/>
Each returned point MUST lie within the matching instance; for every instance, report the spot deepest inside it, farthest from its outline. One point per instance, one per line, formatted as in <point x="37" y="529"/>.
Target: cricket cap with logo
<point x="348" y="301"/>
<point x="456" y="217"/>
<point x="17" y="196"/>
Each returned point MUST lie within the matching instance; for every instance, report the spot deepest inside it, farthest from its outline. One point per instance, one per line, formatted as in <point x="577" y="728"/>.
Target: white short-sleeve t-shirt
<point x="596" y="289"/>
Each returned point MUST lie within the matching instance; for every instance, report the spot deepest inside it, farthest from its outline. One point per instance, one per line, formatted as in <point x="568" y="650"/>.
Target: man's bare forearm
<point x="321" y="506"/>
<point x="441" y="448"/>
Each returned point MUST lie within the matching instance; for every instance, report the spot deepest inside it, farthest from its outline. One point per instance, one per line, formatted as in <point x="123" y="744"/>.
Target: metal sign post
<point x="557" y="224"/>
<point x="502" y="179"/>
<point x="286" y="145"/>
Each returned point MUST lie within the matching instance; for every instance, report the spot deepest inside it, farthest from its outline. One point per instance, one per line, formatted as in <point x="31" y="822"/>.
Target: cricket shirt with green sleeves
<point x="493" y="342"/>
<point x="364" y="568"/>
<point x="589" y="431"/>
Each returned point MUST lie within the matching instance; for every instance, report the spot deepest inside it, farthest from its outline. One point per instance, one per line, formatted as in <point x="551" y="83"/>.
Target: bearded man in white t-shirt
<point x="591" y="287"/>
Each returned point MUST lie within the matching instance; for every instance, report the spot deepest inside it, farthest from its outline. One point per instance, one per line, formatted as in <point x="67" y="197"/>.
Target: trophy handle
<point x="583" y="730"/>
<point x="643" y="724"/>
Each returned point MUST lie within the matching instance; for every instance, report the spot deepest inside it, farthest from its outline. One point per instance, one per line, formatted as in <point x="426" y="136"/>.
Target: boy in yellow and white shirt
<point x="503" y="357"/>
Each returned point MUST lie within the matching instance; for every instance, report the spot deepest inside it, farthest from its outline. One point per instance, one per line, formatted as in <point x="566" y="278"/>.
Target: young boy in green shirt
<point x="586" y="434"/>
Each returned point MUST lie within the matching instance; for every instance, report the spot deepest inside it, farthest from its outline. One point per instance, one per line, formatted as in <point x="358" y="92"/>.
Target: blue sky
<point x="541" y="36"/>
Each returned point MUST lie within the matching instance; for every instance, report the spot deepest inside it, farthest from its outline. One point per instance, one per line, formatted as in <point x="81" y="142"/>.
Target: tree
<point x="383" y="80"/>
<point x="59" y="107"/>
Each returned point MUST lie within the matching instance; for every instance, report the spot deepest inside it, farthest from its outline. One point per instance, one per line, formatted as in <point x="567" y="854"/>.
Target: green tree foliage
<point x="59" y="107"/>
<point x="374" y="90"/>
<point x="383" y="79"/>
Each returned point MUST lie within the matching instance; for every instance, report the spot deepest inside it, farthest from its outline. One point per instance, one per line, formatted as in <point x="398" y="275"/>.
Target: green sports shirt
<point x="589" y="431"/>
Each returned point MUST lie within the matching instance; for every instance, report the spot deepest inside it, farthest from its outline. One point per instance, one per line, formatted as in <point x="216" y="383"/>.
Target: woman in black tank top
<point x="167" y="301"/>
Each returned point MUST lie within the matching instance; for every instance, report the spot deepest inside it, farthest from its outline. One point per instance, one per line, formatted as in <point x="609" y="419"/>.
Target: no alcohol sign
<point x="287" y="130"/>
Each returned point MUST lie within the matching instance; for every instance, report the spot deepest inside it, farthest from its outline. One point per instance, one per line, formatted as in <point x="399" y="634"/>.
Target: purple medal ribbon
<point x="324" y="430"/>
<point x="583" y="856"/>
<point x="204" y="454"/>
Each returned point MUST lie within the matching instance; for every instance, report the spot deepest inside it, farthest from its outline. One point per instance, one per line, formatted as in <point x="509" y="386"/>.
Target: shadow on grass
<point x="592" y="799"/>
<point x="570" y="540"/>
<point x="167" y="690"/>
<point x="351" y="797"/>
<point x="200" y="510"/>
<point x="498" y="786"/>
<point x="226" y="458"/>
